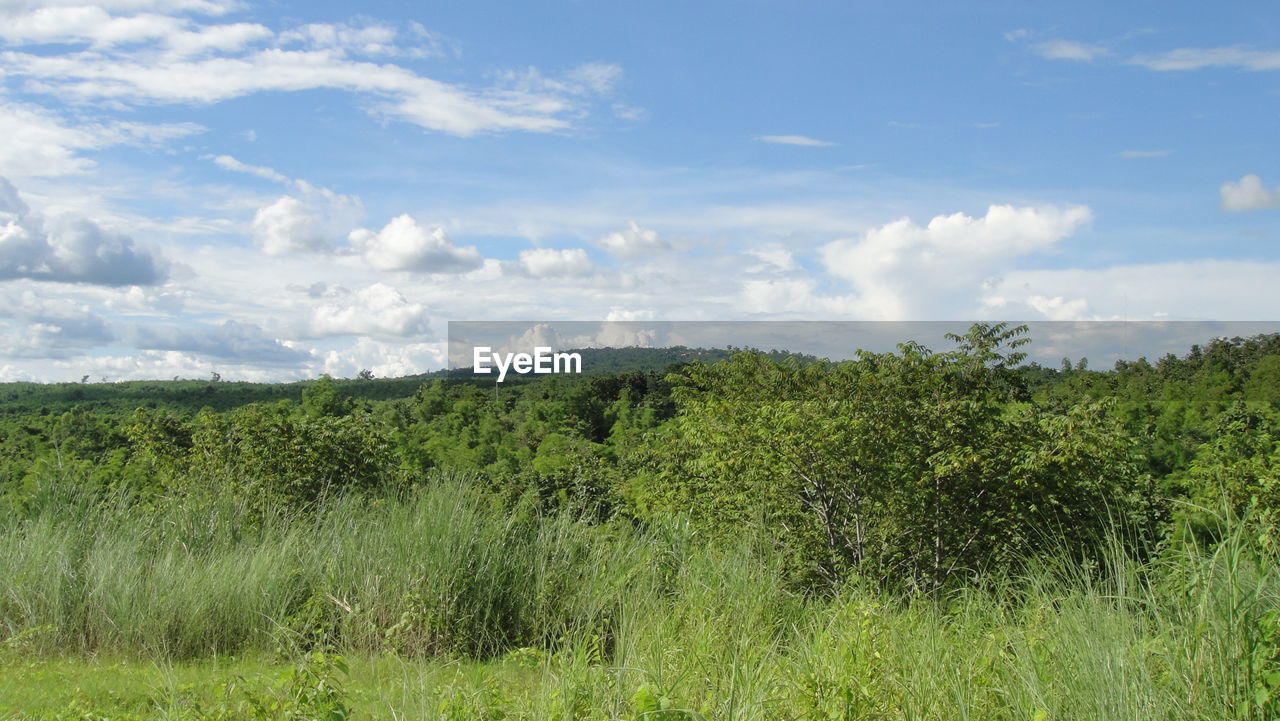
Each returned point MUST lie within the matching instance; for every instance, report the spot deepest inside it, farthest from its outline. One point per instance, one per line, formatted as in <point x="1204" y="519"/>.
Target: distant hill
<point x="183" y="396"/>
<point x="189" y="396"/>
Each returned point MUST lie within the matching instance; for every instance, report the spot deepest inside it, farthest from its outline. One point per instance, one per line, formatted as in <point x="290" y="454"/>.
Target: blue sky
<point x="278" y="190"/>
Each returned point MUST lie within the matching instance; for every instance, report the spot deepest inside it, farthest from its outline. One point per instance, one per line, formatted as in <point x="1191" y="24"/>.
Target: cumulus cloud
<point x="1248" y="193"/>
<point x="634" y="242"/>
<point x="377" y="310"/>
<point x="802" y="140"/>
<point x="1059" y="308"/>
<point x="552" y="263"/>
<point x="311" y="220"/>
<point x="904" y="271"/>
<point x="289" y="226"/>
<point x="404" y="245"/>
<point x="385" y="360"/>
<point x="68" y="248"/>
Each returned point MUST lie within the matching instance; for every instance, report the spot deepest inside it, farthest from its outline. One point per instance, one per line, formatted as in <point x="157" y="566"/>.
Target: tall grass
<point x="610" y="621"/>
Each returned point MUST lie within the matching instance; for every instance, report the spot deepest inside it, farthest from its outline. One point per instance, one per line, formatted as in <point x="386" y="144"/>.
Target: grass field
<point x="441" y="606"/>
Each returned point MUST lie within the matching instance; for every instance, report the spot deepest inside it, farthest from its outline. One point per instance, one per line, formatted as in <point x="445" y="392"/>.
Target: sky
<point x="278" y="190"/>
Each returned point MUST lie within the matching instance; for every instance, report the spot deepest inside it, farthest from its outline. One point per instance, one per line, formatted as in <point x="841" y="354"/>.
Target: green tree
<point x="914" y="465"/>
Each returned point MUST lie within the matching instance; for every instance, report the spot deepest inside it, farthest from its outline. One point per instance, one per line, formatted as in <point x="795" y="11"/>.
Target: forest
<point x="680" y="534"/>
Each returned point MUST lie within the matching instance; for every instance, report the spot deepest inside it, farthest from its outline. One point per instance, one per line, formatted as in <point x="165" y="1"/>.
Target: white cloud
<point x="385" y="360"/>
<point x="143" y="301"/>
<point x="153" y="364"/>
<point x="404" y="245"/>
<point x="312" y="221"/>
<point x="68" y="248"/>
<point x="155" y="58"/>
<point x="67" y="24"/>
<point x="371" y="39"/>
<point x="613" y="334"/>
<point x="100" y="29"/>
<point x="1248" y="193"/>
<point x="1195" y="289"/>
<point x="623" y="315"/>
<point x="377" y="310"/>
<point x="552" y="263"/>
<point x="634" y="242"/>
<point x="779" y="296"/>
<point x="903" y="271"/>
<point x="1222" y="57"/>
<point x="207" y="7"/>
<point x="1058" y="308"/>
<point x="1069" y="50"/>
<point x="229" y="163"/>
<point x="802" y="140"/>
<point x="773" y="258"/>
<point x="219" y="38"/>
<point x="288" y="226"/>
<point x="608" y="334"/>
<point x="35" y="142"/>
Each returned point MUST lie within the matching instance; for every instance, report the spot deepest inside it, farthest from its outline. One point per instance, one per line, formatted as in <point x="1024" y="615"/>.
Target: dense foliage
<point x="913" y="467"/>
<point x="1040" y="525"/>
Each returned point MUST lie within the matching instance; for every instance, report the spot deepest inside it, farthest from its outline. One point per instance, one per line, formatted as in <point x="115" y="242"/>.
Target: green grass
<point x="448" y="608"/>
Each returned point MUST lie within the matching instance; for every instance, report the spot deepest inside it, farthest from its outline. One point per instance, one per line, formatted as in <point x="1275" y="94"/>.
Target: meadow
<point x="438" y="605"/>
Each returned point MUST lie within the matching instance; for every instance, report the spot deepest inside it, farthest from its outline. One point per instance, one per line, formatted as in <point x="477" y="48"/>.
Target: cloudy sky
<point x="281" y="189"/>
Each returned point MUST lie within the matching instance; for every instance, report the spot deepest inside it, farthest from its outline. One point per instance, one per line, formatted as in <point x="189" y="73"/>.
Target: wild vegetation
<point x="905" y="535"/>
